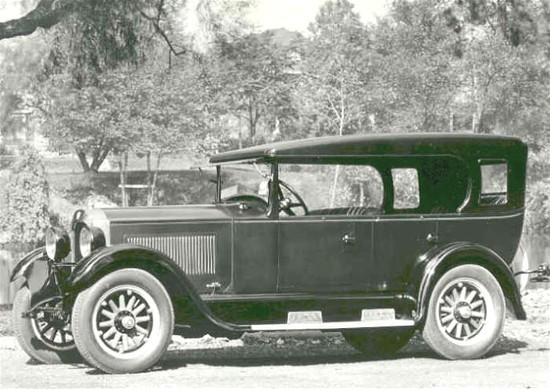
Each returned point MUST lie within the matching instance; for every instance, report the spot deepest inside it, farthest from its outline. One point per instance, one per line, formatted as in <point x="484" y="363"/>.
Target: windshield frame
<point x="272" y="199"/>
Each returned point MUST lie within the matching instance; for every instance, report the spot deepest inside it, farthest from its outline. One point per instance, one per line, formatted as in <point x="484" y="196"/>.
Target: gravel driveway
<point x="521" y="359"/>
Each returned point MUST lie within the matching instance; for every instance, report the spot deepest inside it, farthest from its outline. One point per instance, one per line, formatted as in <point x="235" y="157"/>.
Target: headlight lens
<point x="85" y="241"/>
<point x="89" y="239"/>
<point x="58" y="243"/>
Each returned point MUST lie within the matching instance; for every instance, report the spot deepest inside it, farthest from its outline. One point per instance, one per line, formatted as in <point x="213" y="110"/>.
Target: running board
<point x="335" y="325"/>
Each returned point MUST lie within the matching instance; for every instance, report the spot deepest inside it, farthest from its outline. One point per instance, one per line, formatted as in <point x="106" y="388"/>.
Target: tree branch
<point x="155" y="21"/>
<point x="46" y="14"/>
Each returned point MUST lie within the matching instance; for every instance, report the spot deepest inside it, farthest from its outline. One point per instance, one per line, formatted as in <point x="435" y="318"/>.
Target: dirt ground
<point x="521" y="359"/>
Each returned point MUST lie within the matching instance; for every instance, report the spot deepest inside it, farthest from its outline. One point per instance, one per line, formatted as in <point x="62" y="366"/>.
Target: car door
<point x="402" y="234"/>
<point x="323" y="254"/>
<point x="330" y="248"/>
<point x="398" y="242"/>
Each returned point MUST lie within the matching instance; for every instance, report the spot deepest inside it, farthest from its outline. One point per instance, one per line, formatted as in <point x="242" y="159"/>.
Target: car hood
<point x="159" y="214"/>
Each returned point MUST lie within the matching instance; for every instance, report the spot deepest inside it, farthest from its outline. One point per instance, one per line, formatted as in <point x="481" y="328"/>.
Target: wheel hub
<point x="125" y="321"/>
<point x="462" y="310"/>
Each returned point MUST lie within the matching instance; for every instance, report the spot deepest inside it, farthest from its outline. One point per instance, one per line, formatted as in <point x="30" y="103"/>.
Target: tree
<point x="336" y="74"/>
<point x="94" y="119"/>
<point x="514" y="20"/>
<point x="49" y="13"/>
<point x="416" y="59"/>
<point x="169" y="115"/>
<point x="27" y="214"/>
<point x="336" y="71"/>
<point x="91" y="38"/>
<point x="252" y="80"/>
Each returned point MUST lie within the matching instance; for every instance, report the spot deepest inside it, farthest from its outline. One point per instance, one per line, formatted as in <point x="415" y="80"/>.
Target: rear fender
<point x="176" y="282"/>
<point x="431" y="265"/>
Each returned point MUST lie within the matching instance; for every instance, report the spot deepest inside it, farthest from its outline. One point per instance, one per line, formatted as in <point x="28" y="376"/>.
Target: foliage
<point x="538" y="207"/>
<point x="250" y="79"/>
<point x="336" y="72"/>
<point x="416" y="57"/>
<point x="27" y="204"/>
<point x="131" y="77"/>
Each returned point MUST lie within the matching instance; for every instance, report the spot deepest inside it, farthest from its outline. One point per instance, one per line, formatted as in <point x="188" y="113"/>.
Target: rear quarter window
<point x="494" y="183"/>
<point x="405" y="188"/>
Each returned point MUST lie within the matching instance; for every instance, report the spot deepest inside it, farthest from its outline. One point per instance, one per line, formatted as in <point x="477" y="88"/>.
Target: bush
<point x="538" y="207"/>
<point x="27" y="216"/>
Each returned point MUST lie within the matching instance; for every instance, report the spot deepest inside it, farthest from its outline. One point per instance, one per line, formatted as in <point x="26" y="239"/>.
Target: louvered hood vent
<point x="195" y="254"/>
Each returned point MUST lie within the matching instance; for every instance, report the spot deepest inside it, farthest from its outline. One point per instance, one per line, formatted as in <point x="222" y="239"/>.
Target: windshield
<point x="245" y="179"/>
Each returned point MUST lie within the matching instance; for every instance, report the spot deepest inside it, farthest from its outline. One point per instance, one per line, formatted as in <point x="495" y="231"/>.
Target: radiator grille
<point x="195" y="254"/>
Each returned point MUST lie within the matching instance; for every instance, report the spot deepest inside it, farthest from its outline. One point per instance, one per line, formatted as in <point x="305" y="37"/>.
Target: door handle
<point x="348" y="239"/>
<point x="432" y="238"/>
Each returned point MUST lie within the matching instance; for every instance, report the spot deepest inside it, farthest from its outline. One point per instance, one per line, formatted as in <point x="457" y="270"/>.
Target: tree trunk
<point x="452" y="122"/>
<point x="340" y="132"/>
<point x="153" y="185"/>
<point x="99" y="158"/>
<point x="149" y="180"/>
<point x="123" y="167"/>
<point x="334" y="186"/>
<point x="83" y="161"/>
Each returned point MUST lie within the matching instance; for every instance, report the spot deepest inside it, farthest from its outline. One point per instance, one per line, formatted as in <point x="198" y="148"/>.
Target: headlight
<point x="89" y="239"/>
<point x="58" y="243"/>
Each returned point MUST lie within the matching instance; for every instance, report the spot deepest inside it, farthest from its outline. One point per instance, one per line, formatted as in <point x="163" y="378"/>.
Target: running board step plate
<point x="335" y="325"/>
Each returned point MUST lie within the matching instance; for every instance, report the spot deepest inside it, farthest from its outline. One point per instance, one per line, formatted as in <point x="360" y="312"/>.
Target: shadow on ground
<point x="250" y="355"/>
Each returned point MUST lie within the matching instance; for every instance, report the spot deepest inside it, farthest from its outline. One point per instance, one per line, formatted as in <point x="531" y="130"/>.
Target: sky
<point x="297" y="14"/>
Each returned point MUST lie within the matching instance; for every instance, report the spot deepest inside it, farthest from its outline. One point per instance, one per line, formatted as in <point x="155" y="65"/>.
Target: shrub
<point x="538" y="207"/>
<point x="26" y="215"/>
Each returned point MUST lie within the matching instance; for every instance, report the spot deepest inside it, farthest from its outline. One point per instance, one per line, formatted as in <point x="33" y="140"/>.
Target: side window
<point x="336" y="189"/>
<point x="406" y="194"/>
<point x="494" y="183"/>
<point x="358" y="186"/>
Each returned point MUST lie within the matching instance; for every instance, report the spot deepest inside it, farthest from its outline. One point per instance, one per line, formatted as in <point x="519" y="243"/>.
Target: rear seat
<point x="348" y="211"/>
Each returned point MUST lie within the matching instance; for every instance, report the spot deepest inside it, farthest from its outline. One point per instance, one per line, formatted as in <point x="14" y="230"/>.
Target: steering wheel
<point x="288" y="202"/>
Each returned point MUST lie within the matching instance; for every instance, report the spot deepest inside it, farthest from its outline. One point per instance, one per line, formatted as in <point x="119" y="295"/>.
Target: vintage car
<point x="375" y="236"/>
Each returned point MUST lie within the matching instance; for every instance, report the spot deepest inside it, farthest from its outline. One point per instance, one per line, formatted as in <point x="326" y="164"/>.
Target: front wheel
<point x="46" y="337"/>
<point x="380" y="341"/>
<point x="124" y="322"/>
<point x="465" y="313"/>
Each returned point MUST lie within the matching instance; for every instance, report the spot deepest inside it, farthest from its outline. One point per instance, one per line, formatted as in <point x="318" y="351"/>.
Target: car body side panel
<point x="254" y="266"/>
<point x="398" y="241"/>
<point x="501" y="233"/>
<point x="313" y="256"/>
<point x="202" y="249"/>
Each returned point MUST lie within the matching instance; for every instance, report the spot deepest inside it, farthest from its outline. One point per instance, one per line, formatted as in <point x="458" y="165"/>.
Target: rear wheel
<point x="379" y="341"/>
<point x="465" y="314"/>
<point x="46" y="337"/>
<point x="124" y="322"/>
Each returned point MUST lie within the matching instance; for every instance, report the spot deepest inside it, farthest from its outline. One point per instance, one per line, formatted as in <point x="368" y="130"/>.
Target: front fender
<point x="176" y="282"/>
<point x="24" y="267"/>
<point x="431" y="265"/>
<point x="34" y="270"/>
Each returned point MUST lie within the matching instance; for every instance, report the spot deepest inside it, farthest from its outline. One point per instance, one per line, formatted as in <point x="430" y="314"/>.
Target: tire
<point x="465" y="314"/>
<point x="379" y="342"/>
<point x="124" y="322"/>
<point x="45" y="339"/>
